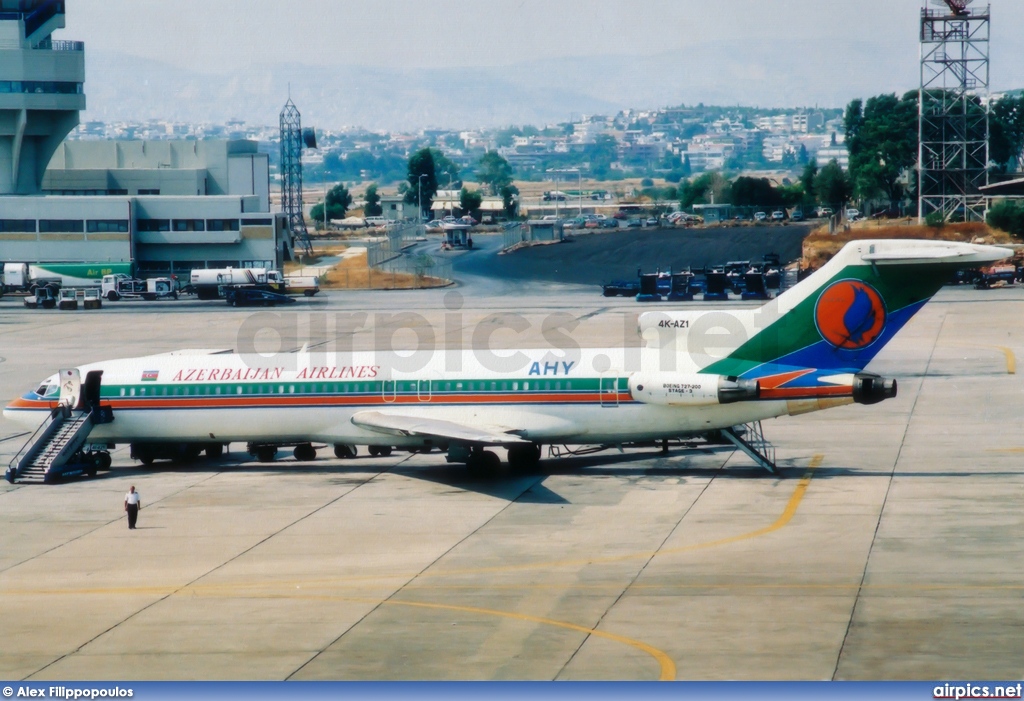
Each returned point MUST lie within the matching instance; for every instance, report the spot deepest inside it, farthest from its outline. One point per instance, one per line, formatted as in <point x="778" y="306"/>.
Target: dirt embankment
<point x="345" y="269"/>
<point x="820" y="246"/>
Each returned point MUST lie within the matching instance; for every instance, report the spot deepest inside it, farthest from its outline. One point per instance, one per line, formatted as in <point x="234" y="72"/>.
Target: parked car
<point x="824" y="212"/>
<point x="760" y="216"/>
<point x="434" y="224"/>
<point x="634" y="223"/>
<point x="852" y="214"/>
<point x="652" y="221"/>
<point x="778" y="215"/>
<point x="797" y="215"/>
<point x="620" y="215"/>
<point x="609" y="224"/>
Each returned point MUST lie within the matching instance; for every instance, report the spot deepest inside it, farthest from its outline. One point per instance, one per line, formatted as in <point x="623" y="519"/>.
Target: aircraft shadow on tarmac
<point x="528" y="486"/>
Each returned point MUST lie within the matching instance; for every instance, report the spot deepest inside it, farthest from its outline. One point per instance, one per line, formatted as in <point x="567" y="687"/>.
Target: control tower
<point x="41" y="91"/>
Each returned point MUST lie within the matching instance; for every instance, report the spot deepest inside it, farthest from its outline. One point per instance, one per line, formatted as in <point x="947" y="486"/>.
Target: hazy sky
<point x="227" y="34"/>
<point x="828" y="43"/>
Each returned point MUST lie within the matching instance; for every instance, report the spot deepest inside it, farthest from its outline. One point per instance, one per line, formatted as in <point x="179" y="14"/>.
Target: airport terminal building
<point x="167" y="207"/>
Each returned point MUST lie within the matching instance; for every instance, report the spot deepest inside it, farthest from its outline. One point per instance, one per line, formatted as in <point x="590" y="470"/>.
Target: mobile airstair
<point x="60" y="447"/>
<point x="750" y="439"/>
<point x="56" y="449"/>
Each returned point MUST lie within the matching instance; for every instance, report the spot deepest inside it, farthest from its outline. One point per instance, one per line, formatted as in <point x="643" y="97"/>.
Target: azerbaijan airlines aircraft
<point x="803" y="352"/>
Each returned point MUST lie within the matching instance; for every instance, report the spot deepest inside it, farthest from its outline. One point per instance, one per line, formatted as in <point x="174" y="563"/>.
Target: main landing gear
<point x="483" y="463"/>
<point x="345" y="452"/>
<point x="486" y="463"/>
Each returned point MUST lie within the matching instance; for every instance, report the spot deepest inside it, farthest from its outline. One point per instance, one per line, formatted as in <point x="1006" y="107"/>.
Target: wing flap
<point x="406" y="425"/>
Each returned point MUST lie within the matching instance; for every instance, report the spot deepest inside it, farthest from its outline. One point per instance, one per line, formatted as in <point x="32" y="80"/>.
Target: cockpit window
<point x="46" y="389"/>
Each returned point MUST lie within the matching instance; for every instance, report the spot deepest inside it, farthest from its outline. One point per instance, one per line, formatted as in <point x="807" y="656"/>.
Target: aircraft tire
<point x="304" y="453"/>
<point x="215" y="451"/>
<point x="105" y="460"/>
<point x="484" y="464"/>
<point x="345" y="452"/>
<point x="385" y="451"/>
<point x="266" y="453"/>
<point x="524" y="457"/>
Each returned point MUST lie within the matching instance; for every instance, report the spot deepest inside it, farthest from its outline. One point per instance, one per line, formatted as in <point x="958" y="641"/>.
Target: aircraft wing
<point x="407" y="425"/>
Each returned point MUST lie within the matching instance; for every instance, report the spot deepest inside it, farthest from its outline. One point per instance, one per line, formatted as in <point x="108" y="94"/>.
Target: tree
<point x="754" y="192"/>
<point x="510" y="200"/>
<point x="494" y="171"/>
<point x="1007" y="216"/>
<point x="687" y="168"/>
<point x="705" y="189"/>
<point x="832" y="185"/>
<point x="807" y="178"/>
<point x="422" y="180"/>
<point x="601" y="154"/>
<point x="470" y="201"/>
<point x="1007" y="133"/>
<point x="881" y="137"/>
<point x="445" y="169"/>
<point x="338" y="201"/>
<point x="372" y="208"/>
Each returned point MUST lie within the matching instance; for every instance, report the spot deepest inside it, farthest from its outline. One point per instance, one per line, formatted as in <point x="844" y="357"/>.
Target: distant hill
<point x="769" y="73"/>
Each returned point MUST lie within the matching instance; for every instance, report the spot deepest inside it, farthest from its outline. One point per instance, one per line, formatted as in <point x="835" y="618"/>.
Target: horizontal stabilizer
<point x="908" y="252"/>
<point x="406" y="425"/>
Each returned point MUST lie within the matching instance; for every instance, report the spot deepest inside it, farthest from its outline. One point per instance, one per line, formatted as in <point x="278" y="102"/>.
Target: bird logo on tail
<point x="850" y="314"/>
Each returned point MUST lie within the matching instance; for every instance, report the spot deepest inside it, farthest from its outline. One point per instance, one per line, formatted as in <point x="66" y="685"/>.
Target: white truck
<point x="209" y="283"/>
<point x="120" y="286"/>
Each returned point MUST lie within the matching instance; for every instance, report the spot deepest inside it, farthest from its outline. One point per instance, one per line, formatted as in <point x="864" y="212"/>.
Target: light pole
<point x="579" y="176"/>
<point x="419" y="195"/>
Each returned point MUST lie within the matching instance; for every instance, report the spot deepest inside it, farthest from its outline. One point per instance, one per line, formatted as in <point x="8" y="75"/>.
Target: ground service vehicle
<point x="115" y="287"/>
<point x="242" y="296"/>
<point x="26" y="278"/>
<point x="211" y="283"/>
<point x="307" y="285"/>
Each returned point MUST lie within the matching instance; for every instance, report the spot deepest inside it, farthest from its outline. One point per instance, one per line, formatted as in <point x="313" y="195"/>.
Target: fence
<point x="513" y="235"/>
<point x="390" y="267"/>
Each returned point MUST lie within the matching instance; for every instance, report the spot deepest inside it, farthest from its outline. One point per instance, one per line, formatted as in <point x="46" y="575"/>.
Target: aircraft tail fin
<point x="840" y="317"/>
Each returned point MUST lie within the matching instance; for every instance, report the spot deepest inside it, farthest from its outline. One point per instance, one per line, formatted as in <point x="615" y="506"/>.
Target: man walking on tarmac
<point x="132" y="504"/>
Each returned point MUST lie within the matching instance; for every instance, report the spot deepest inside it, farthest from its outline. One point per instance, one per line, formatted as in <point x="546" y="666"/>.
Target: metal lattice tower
<point x="954" y="111"/>
<point x="291" y="174"/>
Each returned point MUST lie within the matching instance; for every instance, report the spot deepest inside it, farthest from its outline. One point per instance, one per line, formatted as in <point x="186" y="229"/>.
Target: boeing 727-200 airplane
<point x="803" y="352"/>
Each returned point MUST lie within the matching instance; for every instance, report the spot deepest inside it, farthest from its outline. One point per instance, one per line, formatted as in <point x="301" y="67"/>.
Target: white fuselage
<point x="308" y="397"/>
